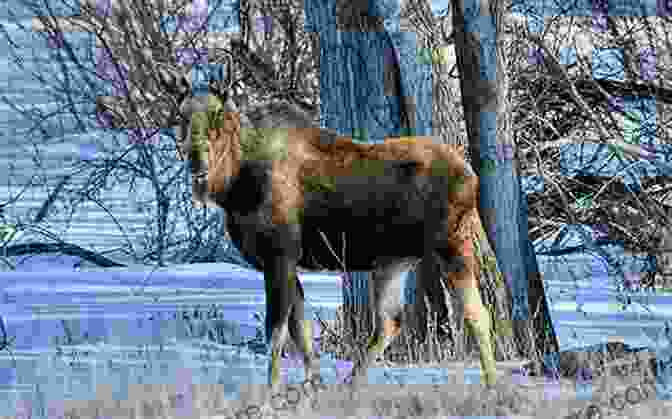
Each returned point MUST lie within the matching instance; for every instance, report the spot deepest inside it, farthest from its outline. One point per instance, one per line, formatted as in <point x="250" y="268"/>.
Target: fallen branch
<point x="65" y="248"/>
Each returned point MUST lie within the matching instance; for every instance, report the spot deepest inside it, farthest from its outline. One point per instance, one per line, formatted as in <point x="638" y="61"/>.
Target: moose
<point x="288" y="189"/>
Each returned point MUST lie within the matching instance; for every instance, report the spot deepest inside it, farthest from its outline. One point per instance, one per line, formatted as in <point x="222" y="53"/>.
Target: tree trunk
<point x="484" y="90"/>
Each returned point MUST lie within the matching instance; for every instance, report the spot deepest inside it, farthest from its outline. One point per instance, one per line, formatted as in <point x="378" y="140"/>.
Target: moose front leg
<point x="476" y="315"/>
<point x="477" y="319"/>
<point x="301" y="331"/>
<point x="280" y="281"/>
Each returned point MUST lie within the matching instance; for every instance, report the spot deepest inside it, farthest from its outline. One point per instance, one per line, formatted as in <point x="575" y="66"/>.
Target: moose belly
<point x="358" y="248"/>
<point x="361" y="223"/>
<point x="354" y="239"/>
<point x="356" y="222"/>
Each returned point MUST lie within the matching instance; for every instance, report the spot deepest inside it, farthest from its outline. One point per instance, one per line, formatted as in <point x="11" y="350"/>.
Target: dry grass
<point x="507" y="399"/>
<point x="381" y="400"/>
<point x="406" y="349"/>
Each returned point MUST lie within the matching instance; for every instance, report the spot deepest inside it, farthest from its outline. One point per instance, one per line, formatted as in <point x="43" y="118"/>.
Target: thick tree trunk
<point x="484" y="89"/>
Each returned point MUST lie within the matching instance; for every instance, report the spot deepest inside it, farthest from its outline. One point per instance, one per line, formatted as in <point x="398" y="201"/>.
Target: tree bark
<point x="484" y="88"/>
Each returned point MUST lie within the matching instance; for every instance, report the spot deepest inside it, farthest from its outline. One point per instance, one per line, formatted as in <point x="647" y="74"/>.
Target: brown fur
<point x="309" y="156"/>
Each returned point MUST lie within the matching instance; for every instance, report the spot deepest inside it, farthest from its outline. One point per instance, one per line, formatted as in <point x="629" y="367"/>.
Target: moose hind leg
<point x="280" y="282"/>
<point x="476" y="316"/>
<point x="387" y="310"/>
<point x="301" y="331"/>
<point x="428" y="286"/>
